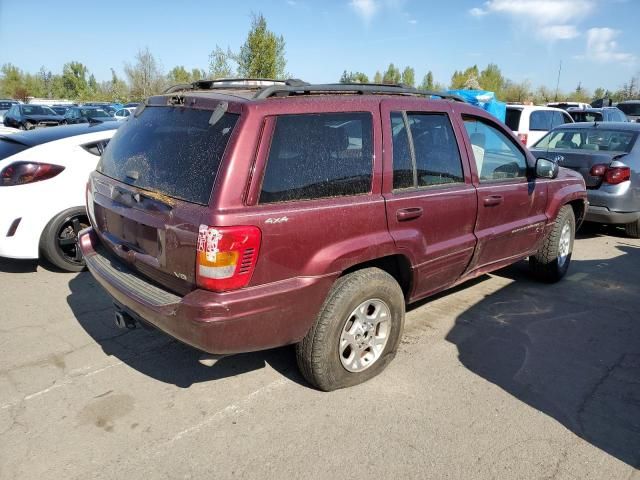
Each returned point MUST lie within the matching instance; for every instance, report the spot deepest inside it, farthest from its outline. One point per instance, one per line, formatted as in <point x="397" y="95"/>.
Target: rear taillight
<point x="615" y="175"/>
<point x="611" y="175"/>
<point x="226" y="257"/>
<point x="523" y="137"/>
<point x="20" y="173"/>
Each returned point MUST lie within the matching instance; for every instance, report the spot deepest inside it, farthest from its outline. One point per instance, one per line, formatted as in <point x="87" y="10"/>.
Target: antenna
<point x="558" y="82"/>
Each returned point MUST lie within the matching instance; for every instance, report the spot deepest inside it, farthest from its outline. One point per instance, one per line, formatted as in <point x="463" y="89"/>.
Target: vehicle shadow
<point x="570" y="350"/>
<point x="12" y="265"/>
<point x="157" y="355"/>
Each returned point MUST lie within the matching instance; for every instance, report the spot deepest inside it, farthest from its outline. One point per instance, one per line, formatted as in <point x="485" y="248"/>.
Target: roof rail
<point x="234" y="84"/>
<point x="353" y="88"/>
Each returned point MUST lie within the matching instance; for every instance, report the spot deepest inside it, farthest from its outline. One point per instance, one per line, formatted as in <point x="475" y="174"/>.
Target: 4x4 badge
<point x="277" y="220"/>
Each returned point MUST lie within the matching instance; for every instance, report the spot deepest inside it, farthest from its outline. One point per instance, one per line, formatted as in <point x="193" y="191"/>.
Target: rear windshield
<point x="630" y="108"/>
<point x="592" y="139"/>
<point x="513" y="118"/>
<point x="587" y="116"/>
<point x="170" y="150"/>
<point x="8" y="147"/>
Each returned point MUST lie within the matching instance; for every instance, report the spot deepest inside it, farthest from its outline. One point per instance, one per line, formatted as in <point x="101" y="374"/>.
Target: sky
<point x="597" y="41"/>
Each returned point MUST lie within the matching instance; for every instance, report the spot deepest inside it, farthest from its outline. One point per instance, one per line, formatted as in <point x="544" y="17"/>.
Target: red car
<point x="238" y="217"/>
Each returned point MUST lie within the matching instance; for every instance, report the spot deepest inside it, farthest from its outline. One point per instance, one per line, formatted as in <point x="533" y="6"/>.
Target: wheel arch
<point x="396" y="265"/>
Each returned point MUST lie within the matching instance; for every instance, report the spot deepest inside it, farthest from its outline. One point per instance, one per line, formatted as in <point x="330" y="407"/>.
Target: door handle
<point x="492" y="200"/>
<point x="405" y="214"/>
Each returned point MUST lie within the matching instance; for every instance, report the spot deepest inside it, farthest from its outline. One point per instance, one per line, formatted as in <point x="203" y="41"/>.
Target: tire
<point x="29" y="126"/>
<point x="552" y="261"/>
<point x="323" y="355"/>
<point x="59" y="237"/>
<point x="633" y="229"/>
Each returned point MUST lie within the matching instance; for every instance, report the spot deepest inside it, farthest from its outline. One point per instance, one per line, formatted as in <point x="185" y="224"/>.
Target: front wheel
<point x="29" y="126"/>
<point x="552" y="261"/>
<point x="59" y="240"/>
<point x="357" y="331"/>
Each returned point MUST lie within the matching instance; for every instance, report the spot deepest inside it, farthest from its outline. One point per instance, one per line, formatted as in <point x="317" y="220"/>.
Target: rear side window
<point x="513" y="118"/>
<point x="170" y="150"/>
<point x="541" y="120"/>
<point x="319" y="156"/>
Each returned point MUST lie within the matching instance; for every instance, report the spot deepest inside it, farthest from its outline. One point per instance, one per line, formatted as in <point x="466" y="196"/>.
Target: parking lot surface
<point x="500" y="378"/>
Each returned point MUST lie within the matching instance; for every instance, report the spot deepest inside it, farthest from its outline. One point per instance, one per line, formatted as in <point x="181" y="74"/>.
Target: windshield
<point x="586" y="116"/>
<point x="592" y="139"/>
<point x="513" y="118"/>
<point x="173" y="151"/>
<point x="36" y="110"/>
<point x="630" y="108"/>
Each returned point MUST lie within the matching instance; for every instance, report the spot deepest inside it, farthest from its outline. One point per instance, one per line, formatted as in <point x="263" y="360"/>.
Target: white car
<point x="530" y="123"/>
<point x="123" y="113"/>
<point x="43" y="177"/>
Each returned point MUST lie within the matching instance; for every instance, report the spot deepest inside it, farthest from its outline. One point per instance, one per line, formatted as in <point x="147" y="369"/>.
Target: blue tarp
<point x="485" y="100"/>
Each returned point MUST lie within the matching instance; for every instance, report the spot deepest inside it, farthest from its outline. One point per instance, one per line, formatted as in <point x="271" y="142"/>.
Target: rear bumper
<point x="604" y="215"/>
<point x="249" y="319"/>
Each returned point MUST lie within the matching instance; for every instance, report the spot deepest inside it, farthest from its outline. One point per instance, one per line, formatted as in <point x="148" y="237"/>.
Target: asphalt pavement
<point x="501" y="378"/>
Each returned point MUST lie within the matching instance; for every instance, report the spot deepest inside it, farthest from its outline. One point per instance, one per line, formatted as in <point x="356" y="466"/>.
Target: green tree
<point x="392" y="75"/>
<point x="74" y="80"/>
<point x="580" y="94"/>
<point x="458" y="79"/>
<point x="354" y="77"/>
<point x="145" y="75"/>
<point x="516" y="92"/>
<point x="491" y="79"/>
<point x="409" y="76"/>
<point x="197" y="74"/>
<point x="598" y="94"/>
<point x="377" y="78"/>
<point x="427" y="82"/>
<point x="11" y="79"/>
<point x="220" y="63"/>
<point x="262" y="54"/>
<point x="178" y="75"/>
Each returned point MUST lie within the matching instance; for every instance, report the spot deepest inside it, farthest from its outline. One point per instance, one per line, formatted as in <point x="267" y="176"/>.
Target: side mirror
<point x="546" y="168"/>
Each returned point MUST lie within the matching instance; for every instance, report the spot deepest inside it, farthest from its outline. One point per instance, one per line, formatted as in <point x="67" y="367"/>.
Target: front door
<point x="511" y="202"/>
<point x="430" y="201"/>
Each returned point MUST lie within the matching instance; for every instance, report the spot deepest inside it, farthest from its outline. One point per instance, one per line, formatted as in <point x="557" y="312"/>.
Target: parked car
<point x="60" y="109"/>
<point x="43" y="175"/>
<point x="631" y="108"/>
<point x="245" y="219"/>
<point x="28" y="117"/>
<point x="568" y="105"/>
<point x="5" y="105"/>
<point x="131" y="105"/>
<point x="604" y="114"/>
<point x="124" y="113"/>
<point x="530" y="123"/>
<point x="608" y="157"/>
<point x="87" y="115"/>
<point x="6" y="130"/>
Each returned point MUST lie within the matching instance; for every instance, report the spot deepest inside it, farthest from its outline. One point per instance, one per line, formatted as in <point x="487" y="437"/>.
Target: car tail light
<point x="598" y="170"/>
<point x="226" y="257"/>
<point x="20" y="173"/>
<point x="523" y="137"/>
<point x="616" y="175"/>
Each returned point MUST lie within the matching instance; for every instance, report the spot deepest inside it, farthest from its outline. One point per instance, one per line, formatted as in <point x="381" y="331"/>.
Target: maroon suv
<point x="238" y="217"/>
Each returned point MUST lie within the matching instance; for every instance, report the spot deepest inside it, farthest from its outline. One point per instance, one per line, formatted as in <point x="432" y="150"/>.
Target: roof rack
<point x="234" y="84"/>
<point x="352" y="88"/>
<point x="268" y="87"/>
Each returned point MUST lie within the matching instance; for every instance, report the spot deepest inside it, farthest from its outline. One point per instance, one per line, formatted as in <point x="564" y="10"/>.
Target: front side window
<point x="497" y="157"/>
<point x="319" y="156"/>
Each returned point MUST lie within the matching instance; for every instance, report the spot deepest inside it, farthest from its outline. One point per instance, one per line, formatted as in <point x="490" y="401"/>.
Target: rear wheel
<point x="356" y="333"/>
<point x="29" y="126"/>
<point x="633" y="229"/>
<point x="58" y="243"/>
<point x="552" y="261"/>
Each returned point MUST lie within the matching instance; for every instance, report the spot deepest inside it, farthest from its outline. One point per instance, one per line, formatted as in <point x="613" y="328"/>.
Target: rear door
<point x="511" y="205"/>
<point x="152" y="187"/>
<point x="430" y="201"/>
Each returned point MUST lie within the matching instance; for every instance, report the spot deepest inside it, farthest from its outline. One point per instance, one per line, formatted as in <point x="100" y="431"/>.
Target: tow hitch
<point x="124" y="320"/>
